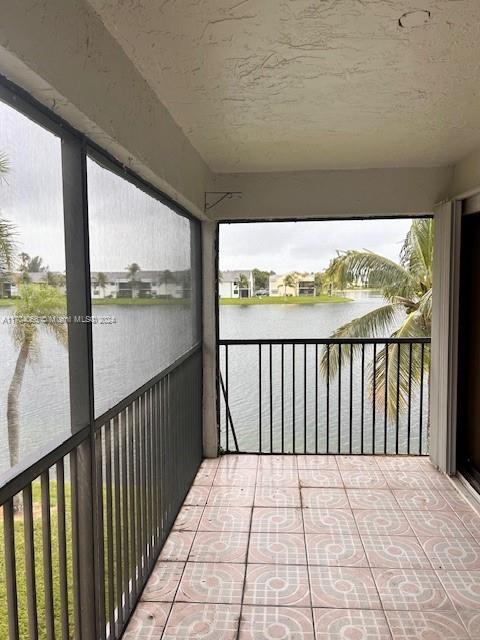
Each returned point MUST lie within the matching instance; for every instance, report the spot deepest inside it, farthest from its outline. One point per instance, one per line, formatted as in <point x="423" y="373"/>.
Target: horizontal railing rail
<point x="137" y="464"/>
<point x="328" y="395"/>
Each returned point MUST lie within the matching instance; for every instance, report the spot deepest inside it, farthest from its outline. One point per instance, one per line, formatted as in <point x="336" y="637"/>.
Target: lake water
<point x="124" y="361"/>
<point x="308" y="415"/>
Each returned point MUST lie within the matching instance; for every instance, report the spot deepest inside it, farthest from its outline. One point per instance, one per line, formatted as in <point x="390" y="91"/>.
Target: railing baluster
<point x="133" y="505"/>
<point x="374" y="388"/>
<point x="119" y="559"/>
<point x="62" y="550"/>
<point x="30" y="578"/>
<point x="283" y="398"/>
<point x="362" y="400"/>
<point x="293" y="398"/>
<point x="339" y="399"/>
<point x="227" y="448"/>
<point x="327" y="450"/>
<point x="386" y="400"/>
<point x="260" y="397"/>
<point x="316" y="398"/>
<point x="304" y="398"/>
<point x="109" y="528"/>
<point x="397" y="416"/>
<point x="271" y="396"/>
<point x="47" y="556"/>
<point x="350" y="433"/>
<point x="420" y="434"/>
<point x="100" y="534"/>
<point x="10" y="569"/>
<point x="409" y="414"/>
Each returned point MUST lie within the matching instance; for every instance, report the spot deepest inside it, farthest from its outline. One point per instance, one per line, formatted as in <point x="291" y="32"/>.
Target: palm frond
<point x="8" y="244"/>
<point x="372" y="324"/>
<point x="396" y="375"/>
<point x="417" y="252"/>
<point x="4" y="164"/>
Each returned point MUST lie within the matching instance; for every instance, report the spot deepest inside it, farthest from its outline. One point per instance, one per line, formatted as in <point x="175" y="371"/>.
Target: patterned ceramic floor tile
<point x="471" y="621"/>
<point x="276" y="584"/>
<point x="336" y="550"/>
<point x="233" y="461"/>
<point x="320" y="478"/>
<point x="429" y="625"/>
<point x="360" y="479"/>
<point x="360" y="463"/>
<point x="205" y="476"/>
<point x="278" y="477"/>
<point x="462" y="587"/>
<point x="163" y="583"/>
<point x="404" y="463"/>
<point x="277" y="548"/>
<point x="348" y="624"/>
<point x="421" y="500"/>
<point x="210" y="463"/>
<point x="410" y="590"/>
<point x="277" y="520"/>
<point x="471" y="521"/>
<point x="148" y="621"/>
<point x="343" y="588"/>
<point x="317" y="462"/>
<point x="231" y="496"/>
<point x="271" y="623"/>
<point x="212" y="582"/>
<point x="436" y="523"/>
<point x="177" y="546"/>
<point x="277" y="462"/>
<point x="317" y="498"/>
<point x="372" y="499"/>
<point x="277" y="497"/>
<point x="462" y="554"/>
<point x="228" y="477"/>
<point x="216" y="546"/>
<point x="225" y="519"/>
<point x="385" y="552"/>
<point x="408" y="480"/>
<point x="197" y="496"/>
<point x="382" y="522"/>
<point x="456" y="501"/>
<point x="188" y="518"/>
<point x="202" y="622"/>
<point x="329" y="521"/>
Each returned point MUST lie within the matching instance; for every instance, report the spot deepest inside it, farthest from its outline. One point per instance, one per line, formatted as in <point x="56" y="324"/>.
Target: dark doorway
<point x="469" y="352"/>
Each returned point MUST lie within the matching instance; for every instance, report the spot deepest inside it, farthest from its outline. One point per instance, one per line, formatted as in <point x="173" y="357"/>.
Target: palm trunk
<point x="13" y="414"/>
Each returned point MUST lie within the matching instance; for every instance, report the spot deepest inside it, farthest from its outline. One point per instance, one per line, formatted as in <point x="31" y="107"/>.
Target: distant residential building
<point x="230" y="284"/>
<point x="146" y="284"/>
<point x="10" y="283"/>
<point x="304" y="285"/>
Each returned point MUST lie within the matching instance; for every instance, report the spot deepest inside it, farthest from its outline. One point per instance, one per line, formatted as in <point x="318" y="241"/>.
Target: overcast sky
<point x="305" y="246"/>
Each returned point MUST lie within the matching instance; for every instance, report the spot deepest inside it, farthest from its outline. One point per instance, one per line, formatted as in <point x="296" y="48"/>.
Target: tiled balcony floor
<point x="317" y="547"/>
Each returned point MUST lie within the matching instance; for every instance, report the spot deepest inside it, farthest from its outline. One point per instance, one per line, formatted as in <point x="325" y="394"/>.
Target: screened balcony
<point x="157" y="481"/>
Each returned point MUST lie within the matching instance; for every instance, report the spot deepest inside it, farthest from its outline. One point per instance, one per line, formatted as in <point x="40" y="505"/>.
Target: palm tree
<point x="102" y="281"/>
<point x="289" y="281"/>
<point x="41" y="300"/>
<point x="132" y="271"/>
<point x="35" y="265"/>
<point x="243" y="282"/>
<point x="407" y="289"/>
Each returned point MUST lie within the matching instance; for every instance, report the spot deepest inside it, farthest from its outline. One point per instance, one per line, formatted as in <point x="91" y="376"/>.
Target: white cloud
<point x="308" y="245"/>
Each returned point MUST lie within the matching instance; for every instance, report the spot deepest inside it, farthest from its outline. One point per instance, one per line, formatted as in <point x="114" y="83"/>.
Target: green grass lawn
<point x="9" y="302"/>
<point x="285" y="300"/>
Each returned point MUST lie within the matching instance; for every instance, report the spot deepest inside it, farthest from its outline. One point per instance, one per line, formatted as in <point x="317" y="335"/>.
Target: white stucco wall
<point x="310" y="194"/>
<point x="466" y="176"/>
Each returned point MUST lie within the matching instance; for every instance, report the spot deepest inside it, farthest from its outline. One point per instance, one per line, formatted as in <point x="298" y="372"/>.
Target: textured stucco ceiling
<point x="268" y="85"/>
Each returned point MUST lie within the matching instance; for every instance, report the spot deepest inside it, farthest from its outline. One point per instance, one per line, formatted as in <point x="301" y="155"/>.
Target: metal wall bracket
<point x="212" y="198"/>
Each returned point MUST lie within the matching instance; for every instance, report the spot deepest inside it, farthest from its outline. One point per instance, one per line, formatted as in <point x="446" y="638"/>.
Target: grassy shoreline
<point x="284" y="300"/>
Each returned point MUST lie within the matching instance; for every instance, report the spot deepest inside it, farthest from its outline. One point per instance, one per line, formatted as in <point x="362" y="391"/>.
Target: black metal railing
<point x="134" y="466"/>
<point x="351" y="395"/>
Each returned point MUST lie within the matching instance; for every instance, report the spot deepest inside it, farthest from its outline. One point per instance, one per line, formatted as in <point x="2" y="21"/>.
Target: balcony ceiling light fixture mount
<point x="417" y="18"/>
